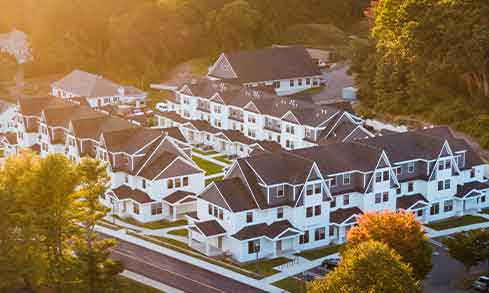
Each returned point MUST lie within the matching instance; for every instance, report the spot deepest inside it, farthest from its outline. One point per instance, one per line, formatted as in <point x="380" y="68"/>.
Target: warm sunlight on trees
<point x="401" y="232"/>
<point x="370" y="266"/>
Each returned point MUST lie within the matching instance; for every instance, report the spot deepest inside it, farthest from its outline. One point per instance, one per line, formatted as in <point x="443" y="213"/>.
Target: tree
<point x="96" y="270"/>
<point x="401" y="232"/>
<point x="21" y="260"/>
<point x="54" y="182"/>
<point x="369" y="267"/>
<point x="469" y="248"/>
<point x="235" y="25"/>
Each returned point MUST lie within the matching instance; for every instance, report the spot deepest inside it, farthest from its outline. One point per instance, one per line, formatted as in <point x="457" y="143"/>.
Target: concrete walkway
<point x="149" y="282"/>
<point x="261" y="284"/>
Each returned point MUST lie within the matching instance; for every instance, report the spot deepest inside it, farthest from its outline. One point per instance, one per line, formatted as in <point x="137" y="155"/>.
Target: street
<point x="173" y="272"/>
<point x="447" y="274"/>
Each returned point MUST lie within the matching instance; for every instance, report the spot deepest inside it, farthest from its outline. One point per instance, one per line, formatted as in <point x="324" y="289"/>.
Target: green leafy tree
<point x="236" y="25"/>
<point x="469" y="248"/>
<point x="369" y="267"/>
<point x="401" y="232"/>
<point x="96" y="270"/>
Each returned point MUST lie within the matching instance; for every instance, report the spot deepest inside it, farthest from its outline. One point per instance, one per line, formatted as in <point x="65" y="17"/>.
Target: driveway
<point x="336" y="79"/>
<point x="173" y="272"/>
<point x="448" y="274"/>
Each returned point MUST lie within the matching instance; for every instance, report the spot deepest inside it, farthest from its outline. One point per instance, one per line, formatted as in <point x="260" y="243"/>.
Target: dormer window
<point x="310" y="189"/>
<point x="280" y="191"/>
<point x="346" y="179"/>
<point x="249" y="217"/>
<point x="411" y="167"/>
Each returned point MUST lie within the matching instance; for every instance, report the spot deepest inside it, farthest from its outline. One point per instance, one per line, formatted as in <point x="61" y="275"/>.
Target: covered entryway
<point x="207" y="237"/>
<point x="178" y="204"/>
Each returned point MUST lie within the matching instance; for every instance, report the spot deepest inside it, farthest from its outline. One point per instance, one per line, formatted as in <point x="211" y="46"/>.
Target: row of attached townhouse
<point x="96" y="90"/>
<point x="152" y="174"/>
<point x="258" y="115"/>
<point x="277" y="203"/>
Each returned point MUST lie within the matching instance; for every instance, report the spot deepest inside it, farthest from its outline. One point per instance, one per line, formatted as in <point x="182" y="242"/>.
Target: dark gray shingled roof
<point x="463" y="190"/>
<point x="236" y="194"/>
<point x="210" y="228"/>
<point x="407" y="201"/>
<point x="272" y="63"/>
<point x="125" y="192"/>
<point x="341" y="215"/>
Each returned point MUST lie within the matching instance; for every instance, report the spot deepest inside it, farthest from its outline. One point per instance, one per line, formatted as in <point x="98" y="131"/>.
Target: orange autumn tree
<point x="400" y="231"/>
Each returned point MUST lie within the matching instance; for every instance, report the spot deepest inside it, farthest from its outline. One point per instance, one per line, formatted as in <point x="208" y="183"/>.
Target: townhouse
<point x="204" y="108"/>
<point x="96" y="90"/>
<point x="285" y="70"/>
<point x="278" y="203"/>
<point x="152" y="174"/>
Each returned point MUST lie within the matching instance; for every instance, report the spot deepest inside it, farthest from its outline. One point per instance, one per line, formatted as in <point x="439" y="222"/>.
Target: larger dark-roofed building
<point x="279" y="203"/>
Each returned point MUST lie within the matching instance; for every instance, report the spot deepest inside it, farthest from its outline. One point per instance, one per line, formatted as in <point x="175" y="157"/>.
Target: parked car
<point x="331" y="263"/>
<point x="481" y="284"/>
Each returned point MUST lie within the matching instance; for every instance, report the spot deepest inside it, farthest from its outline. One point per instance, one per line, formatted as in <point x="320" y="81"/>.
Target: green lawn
<point x="196" y="150"/>
<point x="456" y="222"/>
<point x="265" y="266"/>
<point x="209" y="181"/>
<point x="321" y="252"/>
<point x="208" y="167"/>
<point x="179" y="232"/>
<point x="129" y="286"/>
<point x="154" y="225"/>
<point x="292" y="285"/>
<point x="223" y="159"/>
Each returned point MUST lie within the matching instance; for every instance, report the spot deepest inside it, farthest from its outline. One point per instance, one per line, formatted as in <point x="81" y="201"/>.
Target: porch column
<point x="207" y="248"/>
<point x="274" y="249"/>
<point x="174" y="217"/>
<point x="189" y="238"/>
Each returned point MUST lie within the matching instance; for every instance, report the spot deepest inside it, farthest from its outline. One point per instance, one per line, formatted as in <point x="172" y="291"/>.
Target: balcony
<point x="236" y="118"/>
<point x="203" y="108"/>
<point x="274" y="128"/>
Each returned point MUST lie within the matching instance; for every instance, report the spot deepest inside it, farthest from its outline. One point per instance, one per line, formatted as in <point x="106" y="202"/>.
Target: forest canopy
<point x="138" y="41"/>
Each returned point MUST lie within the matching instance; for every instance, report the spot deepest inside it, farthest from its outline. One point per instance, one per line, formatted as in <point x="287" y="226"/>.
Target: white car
<point x="481" y="284"/>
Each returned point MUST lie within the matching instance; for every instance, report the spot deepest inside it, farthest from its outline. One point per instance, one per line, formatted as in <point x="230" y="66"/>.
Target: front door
<point x="279" y="246"/>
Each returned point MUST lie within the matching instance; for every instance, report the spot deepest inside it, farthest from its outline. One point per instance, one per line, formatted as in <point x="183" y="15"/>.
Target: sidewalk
<point x="261" y="284"/>
<point x="150" y="282"/>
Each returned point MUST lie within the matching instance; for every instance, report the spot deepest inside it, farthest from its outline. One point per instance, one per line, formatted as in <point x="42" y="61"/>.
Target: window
<point x="156" y="208"/>
<point x="378" y="177"/>
<point x="304" y="238"/>
<point x="280" y="213"/>
<point x="143" y="183"/>
<point x="346" y="199"/>
<point x="399" y="171"/>
<point x="448" y="164"/>
<point x="310" y="189"/>
<point x="277" y="84"/>
<point x="280" y="191"/>
<point x="170" y="184"/>
<point x="215" y="212"/>
<point x="447" y="184"/>
<point x="472" y="173"/>
<point x="385" y="196"/>
<point x="378" y="198"/>
<point x="444" y="185"/>
<point x="221" y="214"/>
<point x="346" y="179"/>
<point x="483" y="198"/>
<point x="249" y="217"/>
<point x="440" y="185"/>
<point x="317" y="210"/>
<point x="386" y="176"/>
<point x="435" y="209"/>
<point x="210" y="209"/>
<point x="317" y="188"/>
<point x="419" y="213"/>
<point x="333" y="181"/>
<point x="411" y="167"/>
<point x="178" y="182"/>
<point x="331" y="231"/>
<point x="253" y="246"/>
<point x="448" y="206"/>
<point x="441" y="166"/>
<point x="299" y="82"/>
<point x="320" y="234"/>
<point x="185" y="181"/>
<point x="410" y="187"/>
<point x="292" y="83"/>
<point x="135" y="208"/>
<point x="127" y="178"/>
<point x="398" y="190"/>
<point x="308" y="81"/>
<point x="309" y="211"/>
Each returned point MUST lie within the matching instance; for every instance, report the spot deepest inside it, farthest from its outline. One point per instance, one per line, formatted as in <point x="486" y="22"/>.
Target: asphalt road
<point x="448" y="274"/>
<point x="173" y="272"/>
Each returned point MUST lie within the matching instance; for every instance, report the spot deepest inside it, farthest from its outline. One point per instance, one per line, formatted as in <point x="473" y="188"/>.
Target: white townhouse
<point x="286" y="70"/>
<point x="97" y="91"/>
<point x="278" y="203"/>
<point x="202" y="109"/>
<point x="152" y="174"/>
<point x="8" y="113"/>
